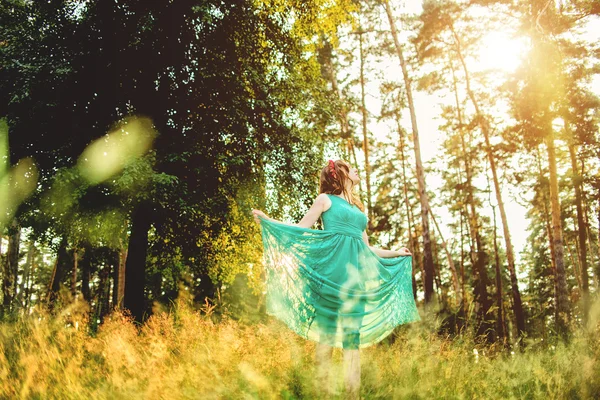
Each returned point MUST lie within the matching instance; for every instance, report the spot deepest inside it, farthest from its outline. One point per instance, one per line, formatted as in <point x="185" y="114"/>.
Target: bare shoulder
<point x="324" y="201"/>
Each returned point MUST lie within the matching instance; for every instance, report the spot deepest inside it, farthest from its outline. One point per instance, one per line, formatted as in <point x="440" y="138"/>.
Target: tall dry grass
<point x="184" y="354"/>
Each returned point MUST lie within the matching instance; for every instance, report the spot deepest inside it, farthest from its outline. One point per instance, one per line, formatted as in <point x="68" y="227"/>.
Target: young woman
<point x="329" y="285"/>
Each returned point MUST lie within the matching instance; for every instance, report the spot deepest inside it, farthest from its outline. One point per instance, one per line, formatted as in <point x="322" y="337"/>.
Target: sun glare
<point x="501" y="52"/>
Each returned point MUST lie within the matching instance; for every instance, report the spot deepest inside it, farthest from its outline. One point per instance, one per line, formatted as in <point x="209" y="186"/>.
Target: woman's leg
<point x="352" y="373"/>
<point x="323" y="356"/>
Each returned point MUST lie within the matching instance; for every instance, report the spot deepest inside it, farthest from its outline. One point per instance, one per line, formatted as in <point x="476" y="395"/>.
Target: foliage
<point x="227" y="93"/>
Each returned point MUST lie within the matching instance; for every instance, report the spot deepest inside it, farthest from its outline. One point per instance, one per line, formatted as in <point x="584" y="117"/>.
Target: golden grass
<point x="184" y="354"/>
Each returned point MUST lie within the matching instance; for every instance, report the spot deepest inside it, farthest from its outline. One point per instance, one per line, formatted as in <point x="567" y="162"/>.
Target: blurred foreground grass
<point x="185" y="354"/>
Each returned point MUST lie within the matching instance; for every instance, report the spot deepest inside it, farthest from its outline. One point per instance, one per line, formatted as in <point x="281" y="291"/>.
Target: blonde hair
<point x="333" y="180"/>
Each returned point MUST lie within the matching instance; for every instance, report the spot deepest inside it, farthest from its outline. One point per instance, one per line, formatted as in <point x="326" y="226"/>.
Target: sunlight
<point x="500" y="51"/>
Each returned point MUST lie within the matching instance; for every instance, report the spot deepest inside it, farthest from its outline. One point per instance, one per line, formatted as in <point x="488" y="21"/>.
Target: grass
<point x="184" y="354"/>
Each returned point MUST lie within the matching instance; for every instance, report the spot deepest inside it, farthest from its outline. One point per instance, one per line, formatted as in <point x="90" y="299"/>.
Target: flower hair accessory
<point x="332" y="169"/>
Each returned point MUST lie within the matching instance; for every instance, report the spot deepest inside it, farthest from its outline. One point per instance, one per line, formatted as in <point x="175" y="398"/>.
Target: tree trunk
<point x="448" y="255"/>
<point x="74" y="273"/>
<point x="594" y="254"/>
<point x="441" y="292"/>
<point x="548" y="224"/>
<point x="30" y="278"/>
<point x="581" y="233"/>
<point x="353" y="151"/>
<point x="11" y="266"/>
<point x="119" y="279"/>
<point x="423" y="197"/>
<point x="574" y="262"/>
<point x="500" y="320"/>
<point x="598" y="246"/>
<point x="135" y="267"/>
<point x="58" y="274"/>
<point x="484" y="125"/>
<point x="22" y="296"/>
<point x="327" y="53"/>
<point x="479" y="258"/>
<point x="449" y="258"/>
<point x="409" y="227"/>
<point x="86" y="266"/>
<point x="463" y="299"/>
<point x="562" y="295"/>
<point x="365" y="118"/>
<point x="105" y="288"/>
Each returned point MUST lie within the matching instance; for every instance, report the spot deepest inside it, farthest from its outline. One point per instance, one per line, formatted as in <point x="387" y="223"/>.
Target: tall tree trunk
<point x="500" y="320"/>
<point x="581" y="233"/>
<point x="135" y="267"/>
<point x="86" y="265"/>
<point x="22" y="296"/>
<point x="499" y="304"/>
<point x="441" y="292"/>
<point x="365" y="117"/>
<point x="409" y="218"/>
<point x="423" y="197"/>
<point x="574" y="262"/>
<point x="353" y="151"/>
<point x="30" y="277"/>
<point x="479" y="258"/>
<point x="331" y="74"/>
<point x="453" y="272"/>
<point x="58" y="273"/>
<point x="417" y="259"/>
<point x="463" y="298"/>
<point x="544" y="72"/>
<point x="74" y="272"/>
<point x="598" y="246"/>
<point x="11" y="267"/>
<point x="119" y="278"/>
<point x="562" y="295"/>
<point x="548" y="225"/>
<point x="484" y="125"/>
<point x="594" y="254"/>
<point x="104" y="288"/>
<point x="102" y="293"/>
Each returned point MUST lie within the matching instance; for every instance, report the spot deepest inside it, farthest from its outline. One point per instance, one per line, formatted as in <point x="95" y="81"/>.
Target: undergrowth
<point x="186" y="354"/>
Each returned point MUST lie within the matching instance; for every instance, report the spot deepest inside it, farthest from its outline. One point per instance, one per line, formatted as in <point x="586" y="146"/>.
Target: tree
<point x="438" y="29"/>
<point x="228" y="88"/>
<point x="423" y="196"/>
<point x="10" y="267"/>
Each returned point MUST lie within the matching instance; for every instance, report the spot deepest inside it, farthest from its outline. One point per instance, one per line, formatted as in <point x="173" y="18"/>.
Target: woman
<point x="329" y="285"/>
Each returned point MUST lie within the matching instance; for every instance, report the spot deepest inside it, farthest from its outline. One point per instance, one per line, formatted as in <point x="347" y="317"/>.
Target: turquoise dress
<point x="329" y="286"/>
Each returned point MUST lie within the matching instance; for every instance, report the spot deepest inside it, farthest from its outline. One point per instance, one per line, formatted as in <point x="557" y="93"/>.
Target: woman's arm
<point x="321" y="204"/>
<point x="386" y="253"/>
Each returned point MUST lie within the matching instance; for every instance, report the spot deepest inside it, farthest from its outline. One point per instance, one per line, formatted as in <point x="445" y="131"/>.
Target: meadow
<point x="186" y="353"/>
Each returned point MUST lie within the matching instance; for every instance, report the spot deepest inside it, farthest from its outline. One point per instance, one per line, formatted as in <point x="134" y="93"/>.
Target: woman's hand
<point x="390" y="253"/>
<point x="257" y="214"/>
<point x="404" y="251"/>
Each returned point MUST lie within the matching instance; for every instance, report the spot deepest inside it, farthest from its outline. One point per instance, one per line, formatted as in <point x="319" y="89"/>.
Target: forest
<point x="137" y="136"/>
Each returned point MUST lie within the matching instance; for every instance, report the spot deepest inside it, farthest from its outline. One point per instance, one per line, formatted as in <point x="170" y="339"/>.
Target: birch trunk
<point x="423" y="197"/>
